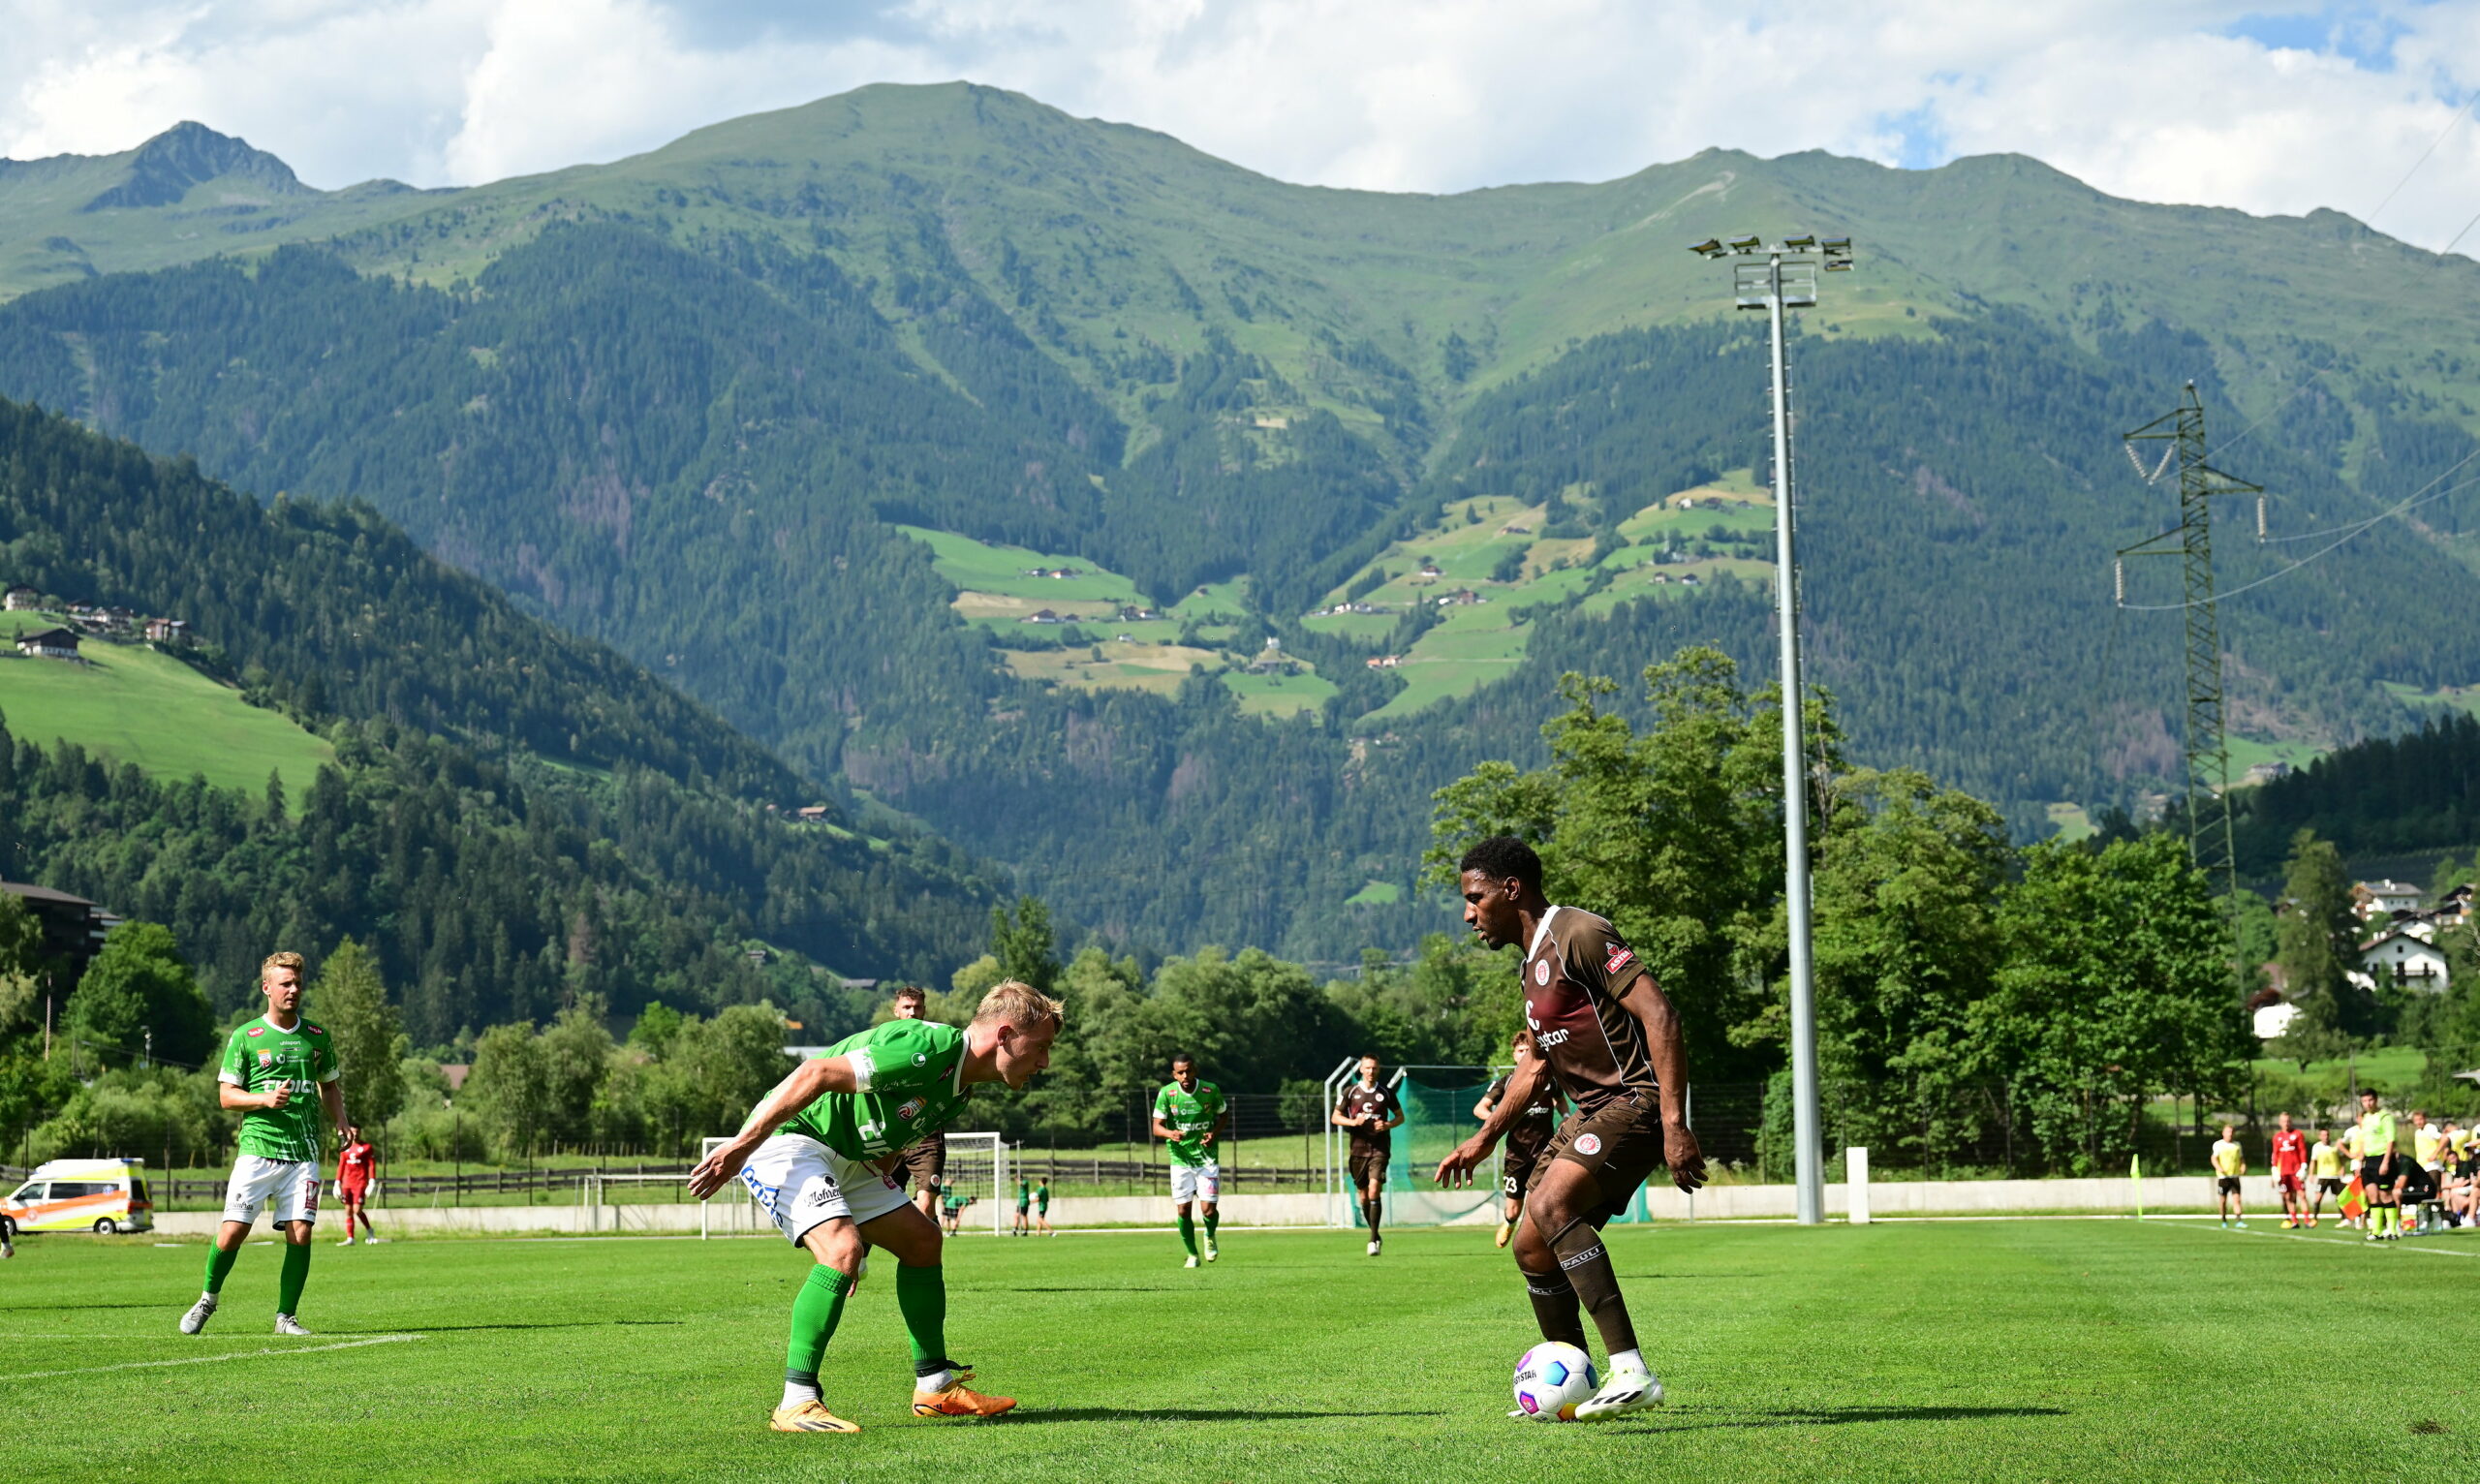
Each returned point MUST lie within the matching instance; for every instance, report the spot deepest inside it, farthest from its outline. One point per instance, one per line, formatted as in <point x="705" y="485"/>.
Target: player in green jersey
<point x="1024" y="1226"/>
<point x="1187" y="1113"/>
<point x="1041" y="1207"/>
<point x="269" y="1068"/>
<point x="815" y="1154"/>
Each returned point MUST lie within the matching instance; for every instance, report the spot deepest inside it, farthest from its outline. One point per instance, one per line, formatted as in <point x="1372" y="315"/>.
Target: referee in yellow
<point x="2229" y="1163"/>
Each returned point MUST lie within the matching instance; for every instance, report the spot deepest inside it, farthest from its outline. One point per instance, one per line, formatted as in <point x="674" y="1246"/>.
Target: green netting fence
<point x="1438" y="1105"/>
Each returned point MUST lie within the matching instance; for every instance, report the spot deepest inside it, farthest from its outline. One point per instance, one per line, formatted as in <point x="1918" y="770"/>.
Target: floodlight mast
<point x="1787" y="278"/>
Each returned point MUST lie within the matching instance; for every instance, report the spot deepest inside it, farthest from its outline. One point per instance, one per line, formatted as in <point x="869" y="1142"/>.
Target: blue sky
<point x="2267" y="109"/>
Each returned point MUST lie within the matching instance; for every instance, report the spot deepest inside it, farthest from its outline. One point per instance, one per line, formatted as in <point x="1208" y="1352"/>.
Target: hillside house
<point x="49" y="644"/>
<point x="2265" y="773"/>
<point x="2454" y="908"/>
<point x="2380" y="901"/>
<point x="167" y="631"/>
<point x="72" y="927"/>
<point x="1131" y="613"/>
<point x="1461" y="598"/>
<point x="1383" y="661"/>
<point x="1430" y="569"/>
<point x="1042" y="616"/>
<point x="2269" y="1014"/>
<point x="813" y="813"/>
<point x="19" y="600"/>
<point x="2403" y="955"/>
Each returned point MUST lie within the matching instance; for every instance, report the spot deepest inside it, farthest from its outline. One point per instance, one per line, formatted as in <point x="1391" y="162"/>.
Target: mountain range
<point x="811" y="412"/>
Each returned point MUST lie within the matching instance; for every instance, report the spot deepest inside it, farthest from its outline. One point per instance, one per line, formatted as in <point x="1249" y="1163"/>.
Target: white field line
<point x="202" y="1360"/>
<point x="2348" y="1242"/>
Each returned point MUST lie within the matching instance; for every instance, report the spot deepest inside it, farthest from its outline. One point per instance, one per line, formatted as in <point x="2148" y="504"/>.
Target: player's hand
<point x="1684" y="1155"/>
<point x="1205" y="1140"/>
<point x="280" y="1095"/>
<point x="715" y="1170"/>
<point x="1455" y="1171"/>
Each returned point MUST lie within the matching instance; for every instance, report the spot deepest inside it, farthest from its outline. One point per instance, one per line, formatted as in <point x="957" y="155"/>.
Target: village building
<point x="1042" y="616"/>
<point x="72" y="927"/>
<point x="167" y="631"/>
<point x="49" y="644"/>
<point x="2380" y="901"/>
<point x="2403" y="954"/>
<point x="19" y="600"/>
<point x="1383" y="661"/>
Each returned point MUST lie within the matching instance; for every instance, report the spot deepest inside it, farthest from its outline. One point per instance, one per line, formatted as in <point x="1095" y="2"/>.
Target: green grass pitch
<point x="2056" y="1349"/>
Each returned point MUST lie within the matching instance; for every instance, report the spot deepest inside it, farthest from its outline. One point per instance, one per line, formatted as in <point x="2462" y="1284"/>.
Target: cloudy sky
<point x="2270" y="110"/>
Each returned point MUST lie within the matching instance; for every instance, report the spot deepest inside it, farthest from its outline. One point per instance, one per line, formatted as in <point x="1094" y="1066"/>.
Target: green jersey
<point x="1024" y="1194"/>
<point x="2376" y="1134"/>
<point x="261" y="1055"/>
<point x="1042" y="1198"/>
<point x="912" y="1083"/>
<point x="1190" y="1115"/>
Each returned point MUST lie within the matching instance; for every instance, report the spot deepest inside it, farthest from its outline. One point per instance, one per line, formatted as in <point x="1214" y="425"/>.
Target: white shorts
<point x="1195" y="1182"/>
<point x="288" y="1190"/>
<point x="800" y="1183"/>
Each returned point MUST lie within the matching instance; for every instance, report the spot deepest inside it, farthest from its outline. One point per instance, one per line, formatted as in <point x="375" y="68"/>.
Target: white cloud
<point x="2217" y="101"/>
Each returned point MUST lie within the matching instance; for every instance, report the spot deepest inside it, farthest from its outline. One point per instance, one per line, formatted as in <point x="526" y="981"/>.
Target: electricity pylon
<point x="2208" y="755"/>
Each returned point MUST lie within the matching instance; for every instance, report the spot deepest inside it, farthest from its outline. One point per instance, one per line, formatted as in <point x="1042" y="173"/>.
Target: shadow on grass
<point x="1190" y="1414"/>
<point x="450" y="1329"/>
<point x="1827" y="1416"/>
<point x="1077" y="1288"/>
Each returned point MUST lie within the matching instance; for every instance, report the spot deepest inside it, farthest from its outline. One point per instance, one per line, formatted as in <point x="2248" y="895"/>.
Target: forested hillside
<point x="515" y="817"/>
<point x="680" y="403"/>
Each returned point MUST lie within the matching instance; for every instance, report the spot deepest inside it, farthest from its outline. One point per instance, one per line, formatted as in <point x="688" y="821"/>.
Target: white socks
<point x="1627" y="1360"/>
<point x="936" y="1380"/>
<point x="798" y="1392"/>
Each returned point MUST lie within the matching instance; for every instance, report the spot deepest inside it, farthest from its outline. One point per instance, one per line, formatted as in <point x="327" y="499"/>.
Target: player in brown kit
<point x="925" y="1164"/>
<point x="1526" y="1136"/>
<point x="1369" y="1112"/>
<point x="1610" y="1038"/>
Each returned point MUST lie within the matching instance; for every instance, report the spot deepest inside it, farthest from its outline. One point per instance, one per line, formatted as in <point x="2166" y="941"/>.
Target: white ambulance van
<point x="97" y="1195"/>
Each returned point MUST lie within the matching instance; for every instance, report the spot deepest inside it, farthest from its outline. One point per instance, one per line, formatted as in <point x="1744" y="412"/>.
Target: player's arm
<point x="1455" y="1171"/>
<point x="1343" y="1120"/>
<point x="1667" y="1044"/>
<point x="1163" y="1130"/>
<point x="1395" y="1113"/>
<point x="1215" y="1125"/>
<point x="1481" y="1109"/>
<point x="810" y="1081"/>
<point x="331" y="1093"/>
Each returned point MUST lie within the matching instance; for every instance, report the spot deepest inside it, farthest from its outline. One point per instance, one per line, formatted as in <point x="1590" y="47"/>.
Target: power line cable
<point x="2418" y="498"/>
<point x="2449" y="128"/>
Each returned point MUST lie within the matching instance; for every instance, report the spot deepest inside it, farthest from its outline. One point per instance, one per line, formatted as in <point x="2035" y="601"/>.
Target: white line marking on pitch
<point x="200" y="1360"/>
<point x="2345" y="1242"/>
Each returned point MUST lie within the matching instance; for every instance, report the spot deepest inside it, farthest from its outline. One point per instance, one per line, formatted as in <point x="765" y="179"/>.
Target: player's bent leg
<point x="1555" y="1310"/>
<point x="816" y="1310"/>
<point x="1566" y="1206"/>
<point x="297" y="1272"/>
<point x="939" y="1388"/>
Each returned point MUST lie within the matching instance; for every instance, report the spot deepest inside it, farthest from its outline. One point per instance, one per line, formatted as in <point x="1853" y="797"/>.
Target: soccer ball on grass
<point x="1550" y="1381"/>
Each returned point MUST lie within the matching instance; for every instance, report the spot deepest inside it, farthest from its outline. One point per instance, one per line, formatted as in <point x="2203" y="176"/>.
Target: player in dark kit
<point x="1610" y="1038"/>
<point x="924" y="1165"/>
<point x="1526" y="1136"/>
<point x="1368" y="1111"/>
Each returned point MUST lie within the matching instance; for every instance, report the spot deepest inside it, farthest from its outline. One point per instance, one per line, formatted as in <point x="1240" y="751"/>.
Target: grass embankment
<point x="1967" y="1350"/>
<point x="133" y="704"/>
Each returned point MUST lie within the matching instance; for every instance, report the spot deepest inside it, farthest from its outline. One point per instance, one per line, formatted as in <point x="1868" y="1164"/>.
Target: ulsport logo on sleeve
<point x="1619" y="958"/>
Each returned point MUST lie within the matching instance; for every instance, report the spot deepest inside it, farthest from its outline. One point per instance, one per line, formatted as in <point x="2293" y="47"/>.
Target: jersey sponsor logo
<point x="258" y="1029"/>
<point x="313" y="1029"/>
<point x="1620" y="958"/>
<point x="912" y="1109"/>
<point x="1588" y="1143"/>
<point x="1530" y="1019"/>
<point x="1541" y="970"/>
<point x="920" y="1060"/>
<point x="1549" y="1038"/>
<point x="266" y="1059"/>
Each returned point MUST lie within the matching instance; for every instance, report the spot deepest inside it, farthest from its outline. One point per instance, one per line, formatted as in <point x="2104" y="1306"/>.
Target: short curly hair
<point x="288" y="959"/>
<point x="1500" y="856"/>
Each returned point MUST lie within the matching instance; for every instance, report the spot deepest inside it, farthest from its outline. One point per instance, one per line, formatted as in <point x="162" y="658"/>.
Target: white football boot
<point x="287" y="1324"/>
<point x="1624" y="1391"/>
<point x="200" y="1313"/>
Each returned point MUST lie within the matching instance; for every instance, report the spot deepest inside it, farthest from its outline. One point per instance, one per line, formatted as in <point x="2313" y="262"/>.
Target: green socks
<point x="1189" y="1233"/>
<point x="1213" y="1218"/>
<point x="297" y="1272"/>
<point x="923" y="1295"/>
<point x="219" y="1263"/>
<point x="816" y="1310"/>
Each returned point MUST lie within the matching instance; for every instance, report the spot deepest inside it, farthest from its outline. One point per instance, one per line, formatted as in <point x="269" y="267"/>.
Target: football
<point x="1551" y="1379"/>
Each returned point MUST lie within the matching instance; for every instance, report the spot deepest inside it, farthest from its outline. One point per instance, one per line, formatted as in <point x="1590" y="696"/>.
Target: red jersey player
<point x="355" y="1166"/>
<point x="2290" y="1172"/>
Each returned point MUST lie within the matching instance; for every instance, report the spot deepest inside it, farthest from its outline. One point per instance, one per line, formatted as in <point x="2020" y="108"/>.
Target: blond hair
<point x="288" y="959"/>
<point x="1015" y="1003"/>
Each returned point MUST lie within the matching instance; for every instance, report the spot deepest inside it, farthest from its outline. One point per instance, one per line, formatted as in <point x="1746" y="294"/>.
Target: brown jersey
<point x="1376" y="1101"/>
<point x="1576" y="973"/>
<point x="1536" y="1117"/>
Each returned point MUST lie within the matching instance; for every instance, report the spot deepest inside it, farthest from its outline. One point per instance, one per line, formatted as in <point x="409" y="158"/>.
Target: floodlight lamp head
<point x="1840" y="247"/>
<point x="1806" y="242"/>
<point x="1747" y="244"/>
<point x="1711" y="247"/>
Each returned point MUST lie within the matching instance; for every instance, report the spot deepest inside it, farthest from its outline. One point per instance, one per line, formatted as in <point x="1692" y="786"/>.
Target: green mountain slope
<point x="691" y="404"/>
<point x="514" y="815"/>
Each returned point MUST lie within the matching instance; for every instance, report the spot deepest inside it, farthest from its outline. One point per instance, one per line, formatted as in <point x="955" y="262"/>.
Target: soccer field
<point x="1934" y="1350"/>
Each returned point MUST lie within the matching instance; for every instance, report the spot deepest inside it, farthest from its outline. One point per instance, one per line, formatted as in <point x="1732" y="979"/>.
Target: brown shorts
<point x="923" y="1163"/>
<point x="1369" y="1164"/>
<point x="1523" y="1153"/>
<point x="1621" y="1142"/>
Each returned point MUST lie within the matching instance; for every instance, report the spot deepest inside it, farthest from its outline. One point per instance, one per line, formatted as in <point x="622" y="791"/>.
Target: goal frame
<point x="999" y="1162"/>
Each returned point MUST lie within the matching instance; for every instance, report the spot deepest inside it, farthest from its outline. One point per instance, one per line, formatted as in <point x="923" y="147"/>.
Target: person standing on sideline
<point x="2377" y="1163"/>
<point x="1368" y="1111"/>
<point x="270" y="1066"/>
<point x="1024" y="1226"/>
<point x="2325" y="1167"/>
<point x="2229" y="1163"/>
<point x="1041" y="1207"/>
<point x="356" y="1165"/>
<point x="2290" y="1172"/>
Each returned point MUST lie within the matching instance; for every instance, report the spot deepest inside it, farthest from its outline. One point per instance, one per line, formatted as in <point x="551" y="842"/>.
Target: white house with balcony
<point x="2403" y="952"/>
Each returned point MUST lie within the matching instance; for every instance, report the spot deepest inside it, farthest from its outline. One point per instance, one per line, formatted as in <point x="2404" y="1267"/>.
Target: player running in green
<point x="815" y="1154"/>
<point x="270" y="1064"/>
<point x="1187" y="1113"/>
